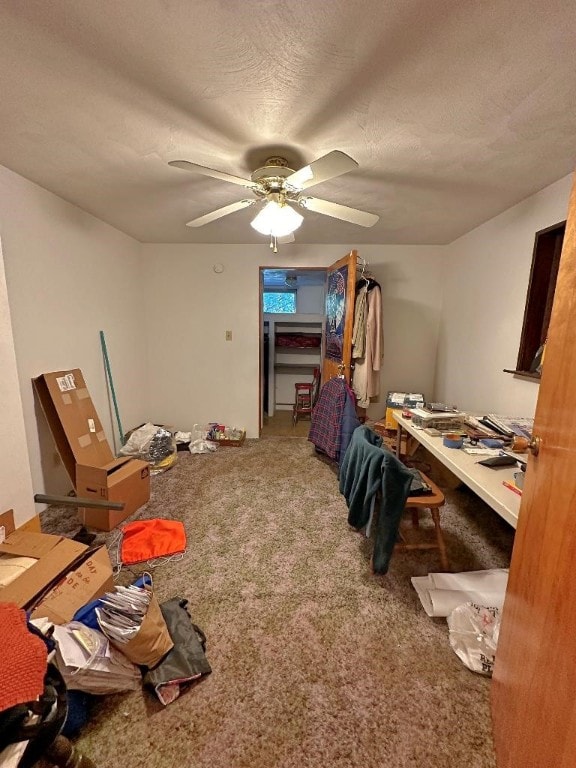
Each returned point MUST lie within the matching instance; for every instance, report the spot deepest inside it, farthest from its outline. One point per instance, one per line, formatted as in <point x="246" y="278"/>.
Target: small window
<point x="279" y="302"/>
<point x="541" y="288"/>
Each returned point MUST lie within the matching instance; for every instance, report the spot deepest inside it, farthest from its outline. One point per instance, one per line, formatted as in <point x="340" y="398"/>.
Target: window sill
<point x="533" y="375"/>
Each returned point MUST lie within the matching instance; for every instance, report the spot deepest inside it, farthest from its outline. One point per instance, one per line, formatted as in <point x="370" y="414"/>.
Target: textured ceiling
<point x="454" y="110"/>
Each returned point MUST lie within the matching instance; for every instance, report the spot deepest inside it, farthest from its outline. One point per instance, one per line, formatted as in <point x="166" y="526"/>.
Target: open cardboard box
<point x="126" y="480"/>
<point x="85" y="452"/>
<point x="66" y="575"/>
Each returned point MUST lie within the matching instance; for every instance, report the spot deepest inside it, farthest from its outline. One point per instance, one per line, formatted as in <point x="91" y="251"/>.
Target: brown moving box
<point x="66" y="575"/>
<point x="89" y="579"/>
<point x="85" y="452"/>
<point x="126" y="480"/>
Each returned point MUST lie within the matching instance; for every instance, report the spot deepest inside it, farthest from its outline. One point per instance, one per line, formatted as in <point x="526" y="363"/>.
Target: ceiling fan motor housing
<point x="271" y="176"/>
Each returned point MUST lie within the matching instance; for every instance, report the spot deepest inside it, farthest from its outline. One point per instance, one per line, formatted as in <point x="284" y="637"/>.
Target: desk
<point x="485" y="482"/>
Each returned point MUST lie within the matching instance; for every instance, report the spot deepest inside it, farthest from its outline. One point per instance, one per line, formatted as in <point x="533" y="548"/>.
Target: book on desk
<point x="508" y="425"/>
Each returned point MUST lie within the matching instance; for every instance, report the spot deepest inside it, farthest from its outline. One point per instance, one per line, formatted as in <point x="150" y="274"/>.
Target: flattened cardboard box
<point x="83" y="446"/>
<point x="59" y="561"/>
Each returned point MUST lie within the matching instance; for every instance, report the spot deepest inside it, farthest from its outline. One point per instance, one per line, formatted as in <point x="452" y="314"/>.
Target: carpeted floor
<point x="282" y="425"/>
<point x="316" y="662"/>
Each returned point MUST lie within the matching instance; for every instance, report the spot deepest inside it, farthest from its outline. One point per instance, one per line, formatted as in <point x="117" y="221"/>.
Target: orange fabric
<point x="23" y="660"/>
<point x="147" y="539"/>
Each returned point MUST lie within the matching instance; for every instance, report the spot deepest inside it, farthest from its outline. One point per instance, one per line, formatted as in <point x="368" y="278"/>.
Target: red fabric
<point x="297" y="340"/>
<point x="23" y="660"/>
<point x="147" y="539"/>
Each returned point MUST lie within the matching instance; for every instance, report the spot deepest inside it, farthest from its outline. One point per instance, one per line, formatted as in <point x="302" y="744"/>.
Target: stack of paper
<point x="440" y="593"/>
<point x="424" y="414"/>
<point x="121" y="613"/>
<point x="88" y="662"/>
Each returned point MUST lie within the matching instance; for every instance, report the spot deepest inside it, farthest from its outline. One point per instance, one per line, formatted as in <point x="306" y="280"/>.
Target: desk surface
<point x="485" y="482"/>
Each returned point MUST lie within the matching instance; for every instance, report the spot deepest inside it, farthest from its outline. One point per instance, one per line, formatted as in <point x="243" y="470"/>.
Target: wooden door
<point x="340" y="290"/>
<point x="534" y="684"/>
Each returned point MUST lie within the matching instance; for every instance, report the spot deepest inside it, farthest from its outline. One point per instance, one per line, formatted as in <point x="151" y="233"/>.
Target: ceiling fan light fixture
<point x="277" y="220"/>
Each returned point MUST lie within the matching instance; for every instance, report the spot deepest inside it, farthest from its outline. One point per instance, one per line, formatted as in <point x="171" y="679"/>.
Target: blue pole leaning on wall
<point x="111" y="384"/>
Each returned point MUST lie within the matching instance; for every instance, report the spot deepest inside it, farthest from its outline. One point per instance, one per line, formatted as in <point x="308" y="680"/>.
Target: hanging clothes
<point x="359" y="331"/>
<point x="348" y="424"/>
<point x="366" y="377"/>
<point x="333" y="418"/>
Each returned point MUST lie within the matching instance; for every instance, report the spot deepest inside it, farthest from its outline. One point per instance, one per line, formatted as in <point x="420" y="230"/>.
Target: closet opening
<point x="292" y="316"/>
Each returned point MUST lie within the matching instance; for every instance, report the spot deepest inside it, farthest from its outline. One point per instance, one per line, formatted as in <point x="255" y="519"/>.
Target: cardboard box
<point x="66" y="576"/>
<point x="82" y="445"/>
<point x="399" y="400"/>
<point x="126" y="480"/>
<point x="89" y="579"/>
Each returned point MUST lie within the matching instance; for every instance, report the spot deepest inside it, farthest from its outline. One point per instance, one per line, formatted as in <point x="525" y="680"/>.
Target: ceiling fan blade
<point x="219" y="212"/>
<point x="337" y="211"/>
<point x="327" y="167"/>
<point x="194" y="168"/>
<point x="286" y="239"/>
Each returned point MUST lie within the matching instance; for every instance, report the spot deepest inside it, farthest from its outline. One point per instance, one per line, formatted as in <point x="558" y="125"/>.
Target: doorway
<point x="292" y="307"/>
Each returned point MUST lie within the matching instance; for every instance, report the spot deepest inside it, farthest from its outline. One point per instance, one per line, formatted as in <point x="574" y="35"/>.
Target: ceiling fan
<point x="279" y="191"/>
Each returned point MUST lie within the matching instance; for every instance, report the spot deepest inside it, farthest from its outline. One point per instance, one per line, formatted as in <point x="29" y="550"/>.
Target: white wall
<point x="68" y="277"/>
<point x="310" y="299"/>
<point x="485" y="287"/>
<point x="15" y="480"/>
<point x="196" y="376"/>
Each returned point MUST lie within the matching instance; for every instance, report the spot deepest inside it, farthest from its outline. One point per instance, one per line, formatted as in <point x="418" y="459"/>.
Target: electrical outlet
<point x="228" y="335"/>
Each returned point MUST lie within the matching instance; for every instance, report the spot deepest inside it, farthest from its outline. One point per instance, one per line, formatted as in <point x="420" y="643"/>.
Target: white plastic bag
<point x="139" y="441"/>
<point x="473" y="634"/>
<point x="202" y="446"/>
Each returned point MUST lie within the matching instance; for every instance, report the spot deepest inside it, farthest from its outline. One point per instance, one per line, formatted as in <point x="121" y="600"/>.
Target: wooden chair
<point x="432" y="502"/>
<point x="302" y="400"/>
<point x="305" y="396"/>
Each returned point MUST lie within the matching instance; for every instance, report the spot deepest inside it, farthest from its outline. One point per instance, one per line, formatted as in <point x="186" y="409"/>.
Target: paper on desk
<point x="435" y="414"/>
<point x="440" y="593"/>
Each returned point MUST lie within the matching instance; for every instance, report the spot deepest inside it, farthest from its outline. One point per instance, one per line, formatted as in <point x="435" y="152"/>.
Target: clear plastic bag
<point x="202" y="446"/>
<point x="162" y="451"/>
<point x="154" y="444"/>
<point x="88" y="663"/>
<point x="473" y="634"/>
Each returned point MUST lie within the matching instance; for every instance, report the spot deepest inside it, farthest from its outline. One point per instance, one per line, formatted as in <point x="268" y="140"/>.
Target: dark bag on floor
<point x="186" y="662"/>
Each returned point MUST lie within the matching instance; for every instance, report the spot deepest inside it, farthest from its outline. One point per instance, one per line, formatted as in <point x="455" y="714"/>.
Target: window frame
<point x="539" y="297"/>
